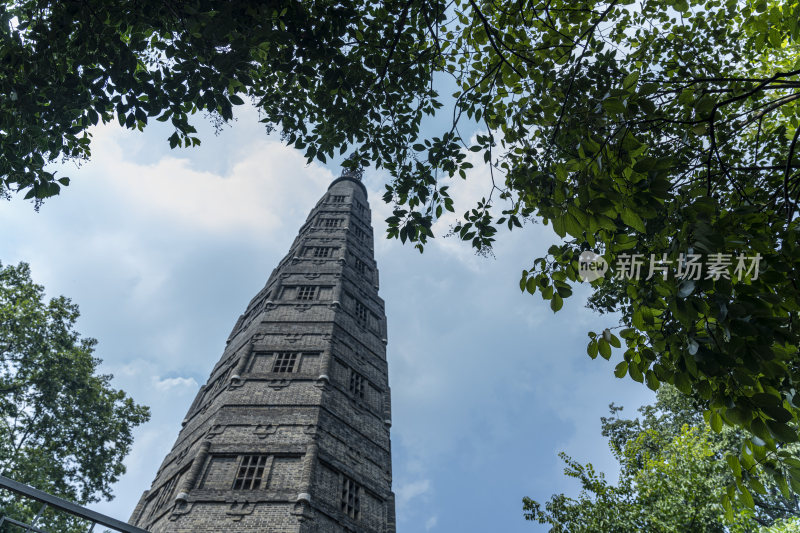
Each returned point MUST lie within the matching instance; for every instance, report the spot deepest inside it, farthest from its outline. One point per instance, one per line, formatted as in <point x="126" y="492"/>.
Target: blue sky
<point x="162" y="249"/>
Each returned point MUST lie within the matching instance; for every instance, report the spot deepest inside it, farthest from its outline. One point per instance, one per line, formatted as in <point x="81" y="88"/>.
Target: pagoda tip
<point x="357" y="172"/>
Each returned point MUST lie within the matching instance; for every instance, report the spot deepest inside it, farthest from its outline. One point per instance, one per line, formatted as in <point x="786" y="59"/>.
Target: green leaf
<point x="715" y="421"/>
<point x="560" y="225"/>
<point x="726" y="505"/>
<point x="704" y="105"/>
<point x="556" y="303"/>
<point x="757" y="427"/>
<point x="632" y="219"/>
<point x="783" y="485"/>
<point x="591" y="349"/>
<point x="635" y="373"/>
<point x="630" y="80"/>
<point x="763" y="399"/>
<point x="738" y="416"/>
<point x="614" y="106"/>
<point x="530" y="285"/>
<point x="734" y="464"/>
<point x="645" y="164"/>
<point x="683" y="383"/>
<point x="605" y="348"/>
<point x="746" y="498"/>
<point x="777" y="412"/>
<point x="756" y="485"/>
<point x="621" y="369"/>
<point x="572" y="226"/>
<point x="652" y="380"/>
<point x="614" y="341"/>
<point x="782" y="432"/>
<point x="747" y="460"/>
<point x="794" y="483"/>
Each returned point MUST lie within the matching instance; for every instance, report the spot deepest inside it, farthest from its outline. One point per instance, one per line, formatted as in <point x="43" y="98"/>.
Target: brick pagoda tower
<point x="291" y="431"/>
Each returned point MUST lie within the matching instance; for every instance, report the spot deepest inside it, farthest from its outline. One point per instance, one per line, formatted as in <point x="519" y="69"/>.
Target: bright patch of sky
<point x="163" y="249"/>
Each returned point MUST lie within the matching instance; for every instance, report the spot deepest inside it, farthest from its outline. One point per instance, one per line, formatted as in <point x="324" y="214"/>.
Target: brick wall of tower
<point x="299" y="400"/>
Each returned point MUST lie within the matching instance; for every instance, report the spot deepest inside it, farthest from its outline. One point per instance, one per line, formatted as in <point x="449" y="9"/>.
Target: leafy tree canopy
<point x="327" y="73"/>
<point x="654" y="130"/>
<point x="63" y="428"/>
<point x="673" y="474"/>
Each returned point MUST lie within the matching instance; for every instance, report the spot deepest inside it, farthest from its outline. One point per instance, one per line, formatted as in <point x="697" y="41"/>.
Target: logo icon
<point x="591" y="266"/>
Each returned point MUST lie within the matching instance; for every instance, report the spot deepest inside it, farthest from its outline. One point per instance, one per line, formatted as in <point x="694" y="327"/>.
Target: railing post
<point x="36" y="518"/>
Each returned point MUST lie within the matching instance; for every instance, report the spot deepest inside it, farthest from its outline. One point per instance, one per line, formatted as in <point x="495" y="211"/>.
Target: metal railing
<point x="48" y="500"/>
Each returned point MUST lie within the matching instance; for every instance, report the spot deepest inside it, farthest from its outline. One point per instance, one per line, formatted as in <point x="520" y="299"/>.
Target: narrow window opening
<point x="361" y="313"/>
<point x="360" y="235"/>
<point x="356" y="384"/>
<point x="351" y="498"/>
<point x="361" y="266"/>
<point x="251" y="472"/>
<point x="284" y="362"/>
<point x="307" y="292"/>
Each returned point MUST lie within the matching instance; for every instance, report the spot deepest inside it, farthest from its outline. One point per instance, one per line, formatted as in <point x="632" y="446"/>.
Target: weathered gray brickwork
<point x="291" y="432"/>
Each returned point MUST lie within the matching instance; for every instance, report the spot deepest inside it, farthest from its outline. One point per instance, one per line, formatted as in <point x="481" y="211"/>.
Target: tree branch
<point x="400" y="25"/>
<point x="789" y="208"/>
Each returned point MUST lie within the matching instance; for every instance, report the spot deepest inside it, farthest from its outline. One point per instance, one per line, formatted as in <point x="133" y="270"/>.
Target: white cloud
<point x="431" y="522"/>
<point x="255" y="195"/>
<point x="408" y="491"/>
<point x="167" y="384"/>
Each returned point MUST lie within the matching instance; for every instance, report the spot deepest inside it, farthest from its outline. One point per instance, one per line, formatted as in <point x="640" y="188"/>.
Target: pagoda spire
<point x="291" y="431"/>
<point x="354" y="170"/>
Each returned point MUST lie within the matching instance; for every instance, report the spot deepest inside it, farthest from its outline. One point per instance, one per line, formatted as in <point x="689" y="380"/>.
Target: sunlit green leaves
<point x="674" y="475"/>
<point x="50" y="382"/>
